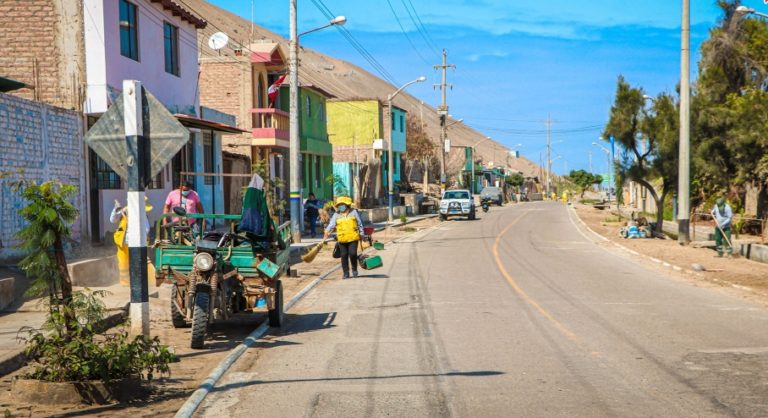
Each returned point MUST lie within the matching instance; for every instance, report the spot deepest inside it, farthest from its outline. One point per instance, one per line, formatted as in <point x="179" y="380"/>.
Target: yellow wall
<point x="354" y="122"/>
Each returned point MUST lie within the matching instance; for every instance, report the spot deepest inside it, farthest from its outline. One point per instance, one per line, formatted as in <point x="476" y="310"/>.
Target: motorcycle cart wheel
<point x="276" y="316"/>
<point x="177" y="317"/>
<point x="200" y="319"/>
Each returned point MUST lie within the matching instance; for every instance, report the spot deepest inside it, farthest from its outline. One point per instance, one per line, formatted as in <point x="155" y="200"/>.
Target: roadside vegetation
<point x="729" y="131"/>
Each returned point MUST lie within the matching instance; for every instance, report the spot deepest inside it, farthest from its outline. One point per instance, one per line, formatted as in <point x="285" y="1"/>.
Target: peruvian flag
<point x="274" y="88"/>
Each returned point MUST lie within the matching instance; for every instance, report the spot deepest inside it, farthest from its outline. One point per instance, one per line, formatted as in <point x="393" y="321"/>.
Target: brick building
<point x="76" y="53"/>
<point x="238" y="84"/>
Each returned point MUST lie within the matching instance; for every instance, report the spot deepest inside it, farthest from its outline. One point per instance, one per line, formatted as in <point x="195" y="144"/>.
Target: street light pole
<point x="294" y="143"/>
<point x="293" y="114"/>
<point x="684" y="169"/>
<point x="390" y="160"/>
<point x="610" y="168"/>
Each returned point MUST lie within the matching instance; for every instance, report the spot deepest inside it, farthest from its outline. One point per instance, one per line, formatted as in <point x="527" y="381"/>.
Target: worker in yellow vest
<point x="349" y="231"/>
<point x="119" y="216"/>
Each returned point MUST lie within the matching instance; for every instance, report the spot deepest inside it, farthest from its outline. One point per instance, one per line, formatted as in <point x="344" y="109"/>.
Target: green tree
<point x="584" y="180"/>
<point x="648" y="141"/>
<point x="514" y="179"/>
<point x="49" y="215"/>
<point x="727" y="145"/>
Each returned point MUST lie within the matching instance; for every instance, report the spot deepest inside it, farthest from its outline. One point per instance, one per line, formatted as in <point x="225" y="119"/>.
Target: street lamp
<point x="390" y="162"/>
<point x="294" y="143"/>
<point x="744" y="10"/>
<point x="610" y="168"/>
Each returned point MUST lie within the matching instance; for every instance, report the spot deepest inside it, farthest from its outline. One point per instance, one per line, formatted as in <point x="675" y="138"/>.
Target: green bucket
<point x="378" y="245"/>
<point x="370" y="262"/>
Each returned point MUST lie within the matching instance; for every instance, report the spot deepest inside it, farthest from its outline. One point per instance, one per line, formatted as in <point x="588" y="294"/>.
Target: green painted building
<point x="316" y="156"/>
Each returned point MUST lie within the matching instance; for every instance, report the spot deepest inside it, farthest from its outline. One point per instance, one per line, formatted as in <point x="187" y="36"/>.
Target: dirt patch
<point x="739" y="273"/>
<point x="166" y="395"/>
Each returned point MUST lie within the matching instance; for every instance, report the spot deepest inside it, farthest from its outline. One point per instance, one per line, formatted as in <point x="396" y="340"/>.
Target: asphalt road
<point x="520" y="313"/>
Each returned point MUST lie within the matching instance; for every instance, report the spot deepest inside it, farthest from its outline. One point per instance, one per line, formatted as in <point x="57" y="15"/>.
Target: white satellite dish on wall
<point x="218" y="40"/>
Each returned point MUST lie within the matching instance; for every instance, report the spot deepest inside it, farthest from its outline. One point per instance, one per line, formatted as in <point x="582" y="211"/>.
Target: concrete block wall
<point x="37" y="142"/>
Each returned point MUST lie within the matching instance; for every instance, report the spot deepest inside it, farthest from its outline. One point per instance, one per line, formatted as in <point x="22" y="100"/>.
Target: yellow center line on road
<point x="529" y="300"/>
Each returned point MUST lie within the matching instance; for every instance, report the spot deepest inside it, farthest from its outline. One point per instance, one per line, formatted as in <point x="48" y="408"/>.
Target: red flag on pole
<point x="274" y="89"/>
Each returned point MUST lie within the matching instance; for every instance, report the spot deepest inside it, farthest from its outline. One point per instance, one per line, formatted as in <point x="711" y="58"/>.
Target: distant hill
<point x="348" y="81"/>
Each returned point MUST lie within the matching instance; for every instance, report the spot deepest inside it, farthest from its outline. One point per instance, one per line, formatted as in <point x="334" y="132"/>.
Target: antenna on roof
<point x="217" y="41"/>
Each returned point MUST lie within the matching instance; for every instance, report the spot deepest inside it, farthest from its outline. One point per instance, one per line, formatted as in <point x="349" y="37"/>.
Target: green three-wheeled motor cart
<point x="217" y="274"/>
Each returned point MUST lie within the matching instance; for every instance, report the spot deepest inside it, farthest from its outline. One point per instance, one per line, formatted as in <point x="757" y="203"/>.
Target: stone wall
<point x="37" y="142"/>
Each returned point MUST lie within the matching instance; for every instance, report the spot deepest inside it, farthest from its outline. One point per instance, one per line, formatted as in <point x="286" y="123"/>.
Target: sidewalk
<point x="31" y="313"/>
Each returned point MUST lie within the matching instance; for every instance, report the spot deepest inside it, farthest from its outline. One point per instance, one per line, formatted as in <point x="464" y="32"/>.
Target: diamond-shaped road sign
<point x="166" y="136"/>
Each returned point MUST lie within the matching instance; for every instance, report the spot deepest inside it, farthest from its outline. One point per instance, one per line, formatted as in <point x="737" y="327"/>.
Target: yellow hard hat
<point x="343" y="200"/>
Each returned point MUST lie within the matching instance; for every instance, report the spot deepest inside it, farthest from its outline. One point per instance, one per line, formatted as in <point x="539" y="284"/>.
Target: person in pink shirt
<point x="187" y="198"/>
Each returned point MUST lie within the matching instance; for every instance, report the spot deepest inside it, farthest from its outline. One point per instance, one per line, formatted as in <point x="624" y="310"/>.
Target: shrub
<point x="73" y="350"/>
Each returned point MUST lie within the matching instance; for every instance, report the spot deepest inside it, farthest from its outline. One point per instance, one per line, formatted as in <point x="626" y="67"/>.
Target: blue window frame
<point x="171" y="40"/>
<point x="129" y="34"/>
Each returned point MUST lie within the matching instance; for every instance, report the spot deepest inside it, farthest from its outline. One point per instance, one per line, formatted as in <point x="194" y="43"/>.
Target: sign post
<point x="137" y="164"/>
<point x="121" y="137"/>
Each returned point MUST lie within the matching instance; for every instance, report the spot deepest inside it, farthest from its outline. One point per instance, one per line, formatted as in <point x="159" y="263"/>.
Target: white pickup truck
<point x="457" y="203"/>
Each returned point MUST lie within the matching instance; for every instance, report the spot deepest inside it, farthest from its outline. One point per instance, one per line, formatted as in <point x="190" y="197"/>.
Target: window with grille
<point x="171" y="39"/>
<point x="157" y="181"/>
<point x="183" y="161"/>
<point x="129" y="34"/>
<point x="103" y="176"/>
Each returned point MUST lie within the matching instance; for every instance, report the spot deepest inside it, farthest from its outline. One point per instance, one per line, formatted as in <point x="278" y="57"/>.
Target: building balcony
<point x="269" y="127"/>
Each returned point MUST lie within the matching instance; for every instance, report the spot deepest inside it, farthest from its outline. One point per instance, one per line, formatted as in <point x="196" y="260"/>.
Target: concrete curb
<point x="633" y="252"/>
<point x="198" y="396"/>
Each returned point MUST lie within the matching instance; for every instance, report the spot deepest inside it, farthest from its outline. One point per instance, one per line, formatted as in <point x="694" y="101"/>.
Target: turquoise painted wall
<point x="398" y="130"/>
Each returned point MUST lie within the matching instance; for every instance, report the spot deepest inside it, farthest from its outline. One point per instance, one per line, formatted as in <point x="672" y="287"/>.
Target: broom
<point x="312" y="253"/>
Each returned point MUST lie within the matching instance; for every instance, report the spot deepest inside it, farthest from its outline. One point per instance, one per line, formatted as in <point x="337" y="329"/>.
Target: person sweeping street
<point x="723" y="215"/>
<point x="349" y="231"/>
<point x="119" y="216"/>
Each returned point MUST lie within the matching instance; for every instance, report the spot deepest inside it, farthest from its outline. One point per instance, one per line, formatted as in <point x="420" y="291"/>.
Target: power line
<point x="375" y="64"/>
<point x="424" y="29"/>
<point x="402" y="29"/>
<point x="420" y="26"/>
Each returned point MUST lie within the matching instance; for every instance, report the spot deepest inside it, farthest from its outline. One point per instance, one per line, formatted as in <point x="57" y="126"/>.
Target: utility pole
<point x="684" y="169"/>
<point x="294" y="144"/>
<point x="549" y="150"/>
<point x="442" y="111"/>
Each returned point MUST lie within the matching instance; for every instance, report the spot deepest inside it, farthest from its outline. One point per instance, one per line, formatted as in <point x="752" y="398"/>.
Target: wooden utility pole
<point x="442" y="112"/>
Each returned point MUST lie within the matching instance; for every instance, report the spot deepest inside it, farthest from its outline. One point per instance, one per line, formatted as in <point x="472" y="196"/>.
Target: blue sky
<point x="517" y="61"/>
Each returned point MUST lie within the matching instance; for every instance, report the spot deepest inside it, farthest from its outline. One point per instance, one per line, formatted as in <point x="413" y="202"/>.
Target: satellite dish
<point x="218" y="40"/>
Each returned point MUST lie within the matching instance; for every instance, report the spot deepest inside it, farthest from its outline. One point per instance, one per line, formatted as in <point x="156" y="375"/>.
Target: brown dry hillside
<point x="348" y="81"/>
